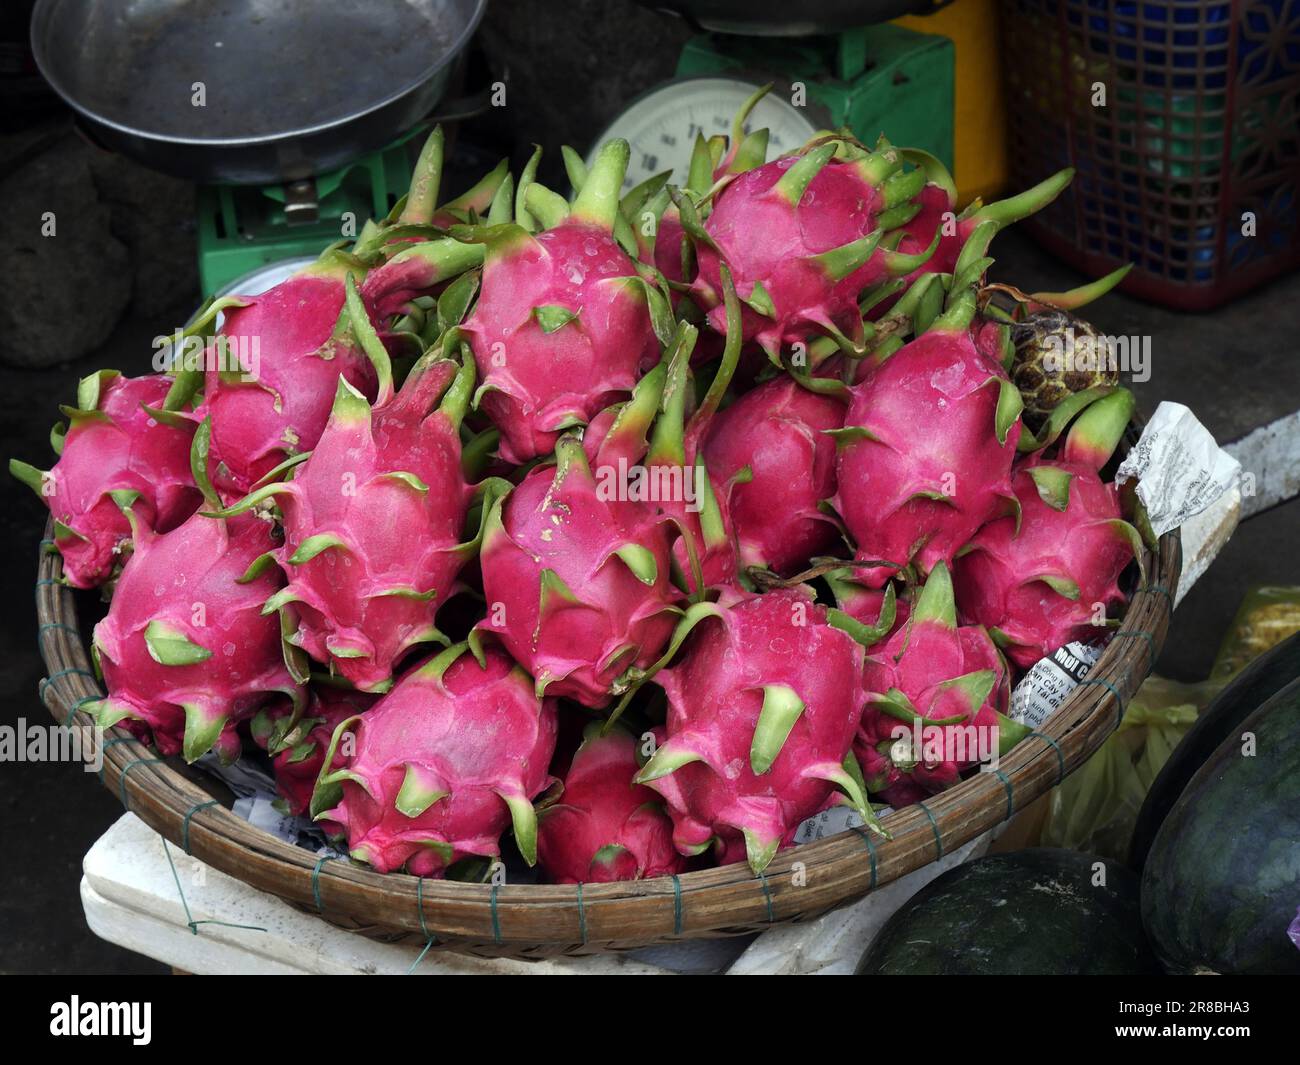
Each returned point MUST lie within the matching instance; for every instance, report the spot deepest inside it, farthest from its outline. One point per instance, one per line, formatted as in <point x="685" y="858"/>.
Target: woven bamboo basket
<point x="530" y="921"/>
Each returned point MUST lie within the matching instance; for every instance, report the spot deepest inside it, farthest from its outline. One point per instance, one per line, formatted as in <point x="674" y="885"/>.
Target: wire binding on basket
<point x="185" y="825"/>
<point x="1131" y="634"/>
<point x="871" y="853"/>
<point x="1060" y="756"/>
<point x="315" y="880"/>
<point x="1119" y="699"/>
<point x="1006" y="784"/>
<point x="934" y="827"/>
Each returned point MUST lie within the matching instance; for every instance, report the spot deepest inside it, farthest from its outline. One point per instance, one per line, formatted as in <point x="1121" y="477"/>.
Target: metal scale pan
<point x="292" y="88"/>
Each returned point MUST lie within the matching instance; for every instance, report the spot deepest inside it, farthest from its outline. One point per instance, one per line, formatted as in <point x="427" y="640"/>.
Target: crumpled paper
<point x="1180" y="468"/>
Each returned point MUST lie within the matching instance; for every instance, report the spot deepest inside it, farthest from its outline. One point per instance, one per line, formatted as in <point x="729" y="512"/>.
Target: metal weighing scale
<point x="869" y="78"/>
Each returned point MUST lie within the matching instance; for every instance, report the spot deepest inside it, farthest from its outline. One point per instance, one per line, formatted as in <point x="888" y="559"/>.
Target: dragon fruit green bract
<point x="373" y="521"/>
<point x="576" y="583"/>
<point x="420" y="205"/>
<point x="443" y="765"/>
<point x="778" y="431"/>
<point x="667" y="472"/>
<point x="937" y="682"/>
<point x="880" y="611"/>
<point x="704" y="553"/>
<point x="121" y="448"/>
<point x="763" y="706"/>
<point x="1050" y="578"/>
<point x="926" y="449"/>
<point x="802" y="236"/>
<point x="562" y="327"/>
<point x="604" y="827"/>
<point x="186" y="649"/>
<point x="938" y="220"/>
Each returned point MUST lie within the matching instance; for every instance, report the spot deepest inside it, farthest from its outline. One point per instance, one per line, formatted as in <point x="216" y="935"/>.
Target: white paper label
<point x="259" y="811"/>
<point x="1049" y="682"/>
<point x="1179" y="467"/>
<point x="244" y="777"/>
<point x="831" y="822"/>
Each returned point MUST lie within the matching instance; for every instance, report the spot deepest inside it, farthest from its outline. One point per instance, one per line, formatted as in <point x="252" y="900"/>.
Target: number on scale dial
<point x="662" y="125"/>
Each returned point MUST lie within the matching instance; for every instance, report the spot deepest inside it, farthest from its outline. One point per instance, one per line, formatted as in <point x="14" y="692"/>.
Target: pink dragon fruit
<point x="277" y="360"/>
<point x="373" y="520"/>
<point x="125" y="447"/>
<point x="563" y="326"/>
<point x="442" y="765"/>
<point x="778" y="431"/>
<point x="763" y="706"/>
<point x="185" y="649"/>
<point x="926" y="449"/>
<point x="297" y="744"/>
<point x="1049" y="578"/>
<point x="604" y="827"/>
<point x="576" y="580"/>
<point x="802" y="235"/>
<point x="935" y="693"/>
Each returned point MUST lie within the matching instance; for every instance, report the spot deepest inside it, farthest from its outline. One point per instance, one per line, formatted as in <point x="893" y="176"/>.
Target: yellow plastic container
<point x="979" y="123"/>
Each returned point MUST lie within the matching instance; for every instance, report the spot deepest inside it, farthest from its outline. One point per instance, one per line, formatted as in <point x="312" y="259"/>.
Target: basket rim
<point x="531" y="920"/>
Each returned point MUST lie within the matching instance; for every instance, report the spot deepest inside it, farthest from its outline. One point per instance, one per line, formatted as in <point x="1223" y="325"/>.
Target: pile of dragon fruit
<point x="639" y="526"/>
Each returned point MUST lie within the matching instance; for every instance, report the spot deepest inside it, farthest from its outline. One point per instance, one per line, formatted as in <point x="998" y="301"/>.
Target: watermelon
<point x="1034" y="912"/>
<point x="1221" y="884"/>
<point x="1267" y="674"/>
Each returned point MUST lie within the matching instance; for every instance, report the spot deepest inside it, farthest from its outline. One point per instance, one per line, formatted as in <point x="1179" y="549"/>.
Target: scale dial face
<point x="661" y="125"/>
